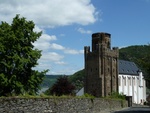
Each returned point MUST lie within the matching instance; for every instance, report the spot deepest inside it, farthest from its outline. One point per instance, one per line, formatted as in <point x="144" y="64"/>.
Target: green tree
<point x="145" y="64"/>
<point x="18" y="57"/>
<point x="62" y="87"/>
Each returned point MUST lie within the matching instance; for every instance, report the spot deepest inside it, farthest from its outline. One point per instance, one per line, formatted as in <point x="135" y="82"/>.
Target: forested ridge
<point x="49" y="80"/>
<point x="134" y="53"/>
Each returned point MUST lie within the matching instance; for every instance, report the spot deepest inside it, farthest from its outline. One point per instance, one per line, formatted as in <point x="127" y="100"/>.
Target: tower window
<point x="108" y="69"/>
<point x="113" y="70"/>
<point x="108" y="44"/>
<point x="96" y="46"/>
<point x="114" y="76"/>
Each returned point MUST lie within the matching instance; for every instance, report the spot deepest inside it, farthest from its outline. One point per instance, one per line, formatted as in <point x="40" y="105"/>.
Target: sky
<point x="67" y="26"/>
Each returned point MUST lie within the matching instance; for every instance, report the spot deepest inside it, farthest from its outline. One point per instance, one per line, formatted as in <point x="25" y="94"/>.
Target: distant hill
<point x="134" y="53"/>
<point x="78" y="79"/>
<point x="49" y="80"/>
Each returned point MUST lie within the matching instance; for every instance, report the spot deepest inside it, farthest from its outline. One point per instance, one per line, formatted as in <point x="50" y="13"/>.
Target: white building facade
<point x="131" y="81"/>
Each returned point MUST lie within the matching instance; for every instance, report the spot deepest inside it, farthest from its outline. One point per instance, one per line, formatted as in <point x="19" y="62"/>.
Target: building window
<point x="119" y="80"/>
<point x="130" y="82"/>
<point x="114" y="59"/>
<point x="137" y="81"/>
<point x="124" y="81"/>
<point x="113" y="70"/>
<point x="96" y="46"/>
<point x="108" y="69"/>
<point x="133" y="81"/>
<point x="114" y="76"/>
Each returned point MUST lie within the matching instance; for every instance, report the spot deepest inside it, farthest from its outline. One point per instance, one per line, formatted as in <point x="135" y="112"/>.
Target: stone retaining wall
<point x="60" y="105"/>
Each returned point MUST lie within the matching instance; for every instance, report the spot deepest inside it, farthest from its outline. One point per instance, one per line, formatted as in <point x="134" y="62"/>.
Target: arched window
<point x="130" y="82"/>
<point x="133" y="79"/>
<point x="119" y="81"/>
<point x="124" y="81"/>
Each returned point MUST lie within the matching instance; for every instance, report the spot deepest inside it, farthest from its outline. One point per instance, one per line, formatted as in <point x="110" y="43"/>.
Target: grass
<point x="116" y="95"/>
<point x="113" y="95"/>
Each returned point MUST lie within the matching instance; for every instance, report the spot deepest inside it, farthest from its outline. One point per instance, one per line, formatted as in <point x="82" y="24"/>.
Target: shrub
<point x="117" y="95"/>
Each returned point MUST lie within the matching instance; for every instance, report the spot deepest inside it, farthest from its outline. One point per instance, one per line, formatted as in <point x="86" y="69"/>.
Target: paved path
<point x="135" y="110"/>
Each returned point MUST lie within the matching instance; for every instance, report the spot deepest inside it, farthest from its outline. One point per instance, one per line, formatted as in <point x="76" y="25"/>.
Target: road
<point x="135" y="110"/>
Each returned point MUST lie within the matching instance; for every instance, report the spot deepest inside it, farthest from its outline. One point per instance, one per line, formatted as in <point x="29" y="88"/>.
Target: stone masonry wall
<point x="59" y="105"/>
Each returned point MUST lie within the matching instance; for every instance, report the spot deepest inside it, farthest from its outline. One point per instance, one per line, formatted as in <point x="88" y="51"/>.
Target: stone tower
<point x="101" y="66"/>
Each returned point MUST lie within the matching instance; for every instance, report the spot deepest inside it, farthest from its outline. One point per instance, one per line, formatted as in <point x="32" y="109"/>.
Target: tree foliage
<point x="145" y="65"/>
<point x="62" y="87"/>
<point x="18" y="57"/>
<point x="133" y="53"/>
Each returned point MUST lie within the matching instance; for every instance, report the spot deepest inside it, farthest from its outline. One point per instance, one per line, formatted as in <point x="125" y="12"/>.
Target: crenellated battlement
<point x="111" y="52"/>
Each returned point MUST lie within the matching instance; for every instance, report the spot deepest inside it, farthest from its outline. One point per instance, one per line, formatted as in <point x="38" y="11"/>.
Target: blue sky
<point x="67" y="27"/>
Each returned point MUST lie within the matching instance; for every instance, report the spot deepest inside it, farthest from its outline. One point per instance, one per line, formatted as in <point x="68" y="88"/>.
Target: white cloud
<point x="56" y="46"/>
<point x="83" y="31"/>
<point x="60" y="63"/>
<point x="50" y="13"/>
<point x="62" y="35"/>
<point x="42" y="46"/>
<point x="64" y="71"/>
<point x="37" y="29"/>
<point x="51" y="56"/>
<point x="72" y="51"/>
<point x="122" y="47"/>
<point x="43" y="43"/>
<point x="46" y="37"/>
<point x="64" y="49"/>
<point x="81" y="51"/>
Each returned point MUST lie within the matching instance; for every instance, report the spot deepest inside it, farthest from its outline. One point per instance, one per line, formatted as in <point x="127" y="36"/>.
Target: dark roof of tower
<point x="99" y="33"/>
<point x="127" y="67"/>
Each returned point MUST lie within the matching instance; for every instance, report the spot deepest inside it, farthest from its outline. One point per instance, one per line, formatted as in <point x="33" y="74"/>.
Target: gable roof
<point x="127" y="67"/>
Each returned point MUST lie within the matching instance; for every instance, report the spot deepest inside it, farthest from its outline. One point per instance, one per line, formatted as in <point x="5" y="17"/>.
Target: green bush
<point x="86" y="95"/>
<point x="117" y="95"/>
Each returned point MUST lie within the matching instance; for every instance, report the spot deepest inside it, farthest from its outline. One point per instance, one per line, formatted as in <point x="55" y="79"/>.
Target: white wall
<point x="133" y="85"/>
